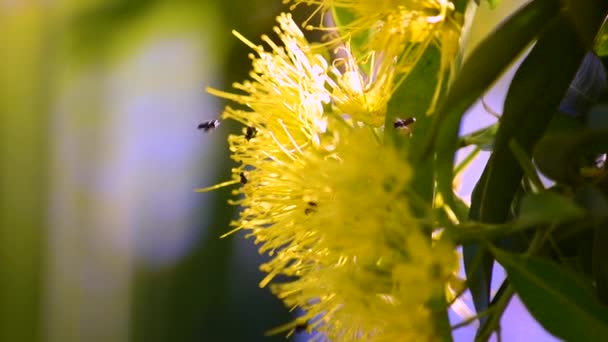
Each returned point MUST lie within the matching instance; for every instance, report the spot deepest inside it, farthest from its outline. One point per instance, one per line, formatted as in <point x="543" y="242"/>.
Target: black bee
<point x="312" y="207"/>
<point x="208" y="126"/>
<point x="403" y="123"/>
<point x="403" y="126"/>
<point x="243" y="178"/>
<point x="250" y="132"/>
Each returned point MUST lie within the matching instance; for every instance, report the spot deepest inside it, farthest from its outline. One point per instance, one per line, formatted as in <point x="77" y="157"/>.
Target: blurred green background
<point x="102" y="237"/>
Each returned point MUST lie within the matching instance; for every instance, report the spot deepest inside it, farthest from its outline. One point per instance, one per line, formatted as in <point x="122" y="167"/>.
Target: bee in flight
<point x="208" y="126"/>
<point x="404" y="125"/>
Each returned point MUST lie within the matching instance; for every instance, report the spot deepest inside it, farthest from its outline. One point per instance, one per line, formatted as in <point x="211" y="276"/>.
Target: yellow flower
<point x="397" y="33"/>
<point x="397" y="28"/>
<point x="364" y="98"/>
<point x="327" y="199"/>
<point x="287" y="92"/>
<point x="365" y="270"/>
<point x="295" y="82"/>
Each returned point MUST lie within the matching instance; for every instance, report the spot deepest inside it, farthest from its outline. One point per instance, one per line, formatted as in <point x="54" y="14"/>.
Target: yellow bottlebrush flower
<point x="299" y="81"/>
<point x="365" y="270"/>
<point x="327" y="200"/>
<point x="288" y="88"/>
<point x="397" y="32"/>
<point x="370" y="13"/>
<point x="399" y="29"/>
<point x="364" y="98"/>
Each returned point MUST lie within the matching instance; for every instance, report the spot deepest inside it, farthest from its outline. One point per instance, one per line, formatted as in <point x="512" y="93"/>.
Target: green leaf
<point x="587" y="17"/>
<point x="441" y="323"/>
<point x="596" y="203"/>
<point x="484" y="138"/>
<point x="560" y="301"/>
<point x="533" y="97"/>
<point x="407" y="103"/>
<point x="563" y="124"/>
<point x="343" y="17"/>
<point x="560" y="156"/>
<point x="493" y="3"/>
<point x="597" y="118"/>
<point x="480" y="70"/>
<point x="601" y="41"/>
<point x="547" y="207"/>
<point x="478" y="278"/>
<point x="523" y="159"/>
<point x="460" y="5"/>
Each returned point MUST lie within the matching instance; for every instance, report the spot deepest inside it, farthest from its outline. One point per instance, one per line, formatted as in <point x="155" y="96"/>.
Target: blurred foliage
<point x="45" y="47"/>
<point x="24" y="74"/>
<point x="601" y="47"/>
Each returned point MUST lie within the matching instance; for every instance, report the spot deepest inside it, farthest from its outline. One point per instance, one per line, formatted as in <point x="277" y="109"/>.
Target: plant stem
<point x="493" y="323"/>
<point x="526" y="164"/>
<point x="472" y="319"/>
<point x="467" y="161"/>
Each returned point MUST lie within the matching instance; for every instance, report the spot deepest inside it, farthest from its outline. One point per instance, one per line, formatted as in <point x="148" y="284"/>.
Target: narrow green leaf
<point x="480" y="70"/>
<point x="533" y="97"/>
<point x="523" y="159"/>
<point x="597" y="118"/>
<point x="466" y="162"/>
<point x="478" y="277"/>
<point x="598" y="261"/>
<point x="547" y="207"/>
<point x="596" y="203"/>
<point x="441" y="321"/>
<point x="342" y="18"/>
<point x="560" y="301"/>
<point x="493" y="3"/>
<point x="559" y="156"/>
<point x="460" y="5"/>
<point x="601" y="41"/>
<point x="587" y="17"/>
<point x="564" y="124"/>
<point x="484" y="138"/>
<point x="406" y="103"/>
